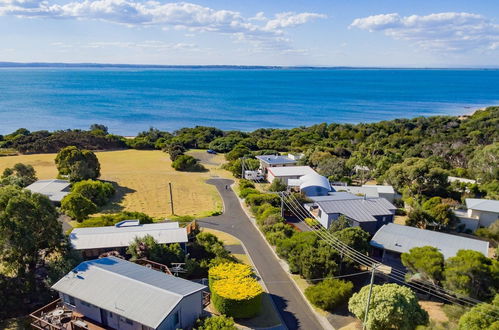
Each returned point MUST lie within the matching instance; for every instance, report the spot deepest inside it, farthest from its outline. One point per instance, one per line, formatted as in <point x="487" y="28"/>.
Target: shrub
<point x="239" y="297"/>
<point x="77" y="206"/>
<point x="311" y="222"/>
<point x="259" y="199"/>
<point x="278" y="185"/>
<point x="220" y="322"/>
<point x="277" y="232"/>
<point x="392" y="307"/>
<point x="77" y="164"/>
<point x="229" y="270"/>
<point x="187" y="163"/>
<point x="247" y="191"/>
<point x="243" y="183"/>
<point x="97" y="191"/>
<point x="329" y="294"/>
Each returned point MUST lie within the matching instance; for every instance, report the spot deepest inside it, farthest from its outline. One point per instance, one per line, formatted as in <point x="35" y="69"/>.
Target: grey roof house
<point x="368" y="213"/>
<point x="484" y="211"/>
<point x="122" y="295"/>
<point x="95" y="240"/>
<point x="391" y="240"/>
<point x="55" y="189"/>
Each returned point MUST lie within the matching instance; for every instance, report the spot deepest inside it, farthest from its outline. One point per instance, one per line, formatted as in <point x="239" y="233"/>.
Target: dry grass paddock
<point x="142" y="177"/>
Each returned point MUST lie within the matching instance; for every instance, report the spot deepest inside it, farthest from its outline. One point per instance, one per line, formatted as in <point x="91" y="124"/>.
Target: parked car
<point x="211" y="151"/>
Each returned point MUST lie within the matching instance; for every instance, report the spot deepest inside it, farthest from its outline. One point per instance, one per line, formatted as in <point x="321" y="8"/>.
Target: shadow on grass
<point x="114" y="205"/>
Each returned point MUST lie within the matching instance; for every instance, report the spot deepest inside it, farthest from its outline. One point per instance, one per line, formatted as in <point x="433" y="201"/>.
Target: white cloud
<point x="177" y="15"/>
<point x="441" y="32"/>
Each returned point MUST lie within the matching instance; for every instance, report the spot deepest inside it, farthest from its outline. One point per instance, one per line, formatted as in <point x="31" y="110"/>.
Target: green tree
<point x="98" y="192"/>
<point x="220" y="322"/>
<point x="329" y="293"/>
<point x="472" y="274"/>
<point x="238" y="152"/>
<point x="28" y="225"/>
<point x="175" y="150"/>
<point x="147" y="247"/>
<point x="391" y="307"/>
<point x="187" y="163"/>
<point x="418" y="176"/>
<point x="485" y="163"/>
<point x="426" y="261"/>
<point x="19" y="175"/>
<point x="341" y="223"/>
<point x="277" y="185"/>
<point x="77" y="206"/>
<point x="355" y="237"/>
<point x="481" y="317"/>
<point x="77" y="164"/>
<point x="419" y="218"/>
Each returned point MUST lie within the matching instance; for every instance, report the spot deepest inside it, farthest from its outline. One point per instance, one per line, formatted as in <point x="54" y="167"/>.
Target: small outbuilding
<point x="311" y="184"/>
<point x="484" y="211"/>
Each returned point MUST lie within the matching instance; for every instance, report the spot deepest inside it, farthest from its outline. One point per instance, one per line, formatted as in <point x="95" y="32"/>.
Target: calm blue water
<point x="131" y="100"/>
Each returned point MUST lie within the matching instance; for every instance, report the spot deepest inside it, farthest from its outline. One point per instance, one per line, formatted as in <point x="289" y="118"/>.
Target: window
<point x="84" y="303"/>
<point x="129" y="321"/>
<point x="319" y="214"/>
<point x="71" y="300"/>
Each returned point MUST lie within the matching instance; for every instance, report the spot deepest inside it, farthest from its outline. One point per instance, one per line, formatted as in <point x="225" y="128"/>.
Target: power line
<point x="364" y="260"/>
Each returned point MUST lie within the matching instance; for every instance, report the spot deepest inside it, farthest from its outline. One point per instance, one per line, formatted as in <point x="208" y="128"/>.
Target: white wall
<point x="487" y="218"/>
<point x="190" y="309"/>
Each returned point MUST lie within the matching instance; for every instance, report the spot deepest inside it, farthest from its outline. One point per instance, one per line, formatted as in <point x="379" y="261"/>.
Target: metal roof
<point x="123" y="233"/>
<point x="276" y="159"/>
<point x="291" y="171"/>
<point x="335" y="196"/>
<point x="358" y="209"/>
<point x="55" y="189"/>
<point x="367" y="191"/>
<point x="487" y="205"/>
<point x="457" y="179"/>
<point x="382" y="189"/>
<point x="136" y="292"/>
<point x="314" y="179"/>
<point x="401" y="239"/>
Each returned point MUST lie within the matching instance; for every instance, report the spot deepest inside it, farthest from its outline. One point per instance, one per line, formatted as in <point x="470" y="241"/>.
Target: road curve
<point x="294" y="311"/>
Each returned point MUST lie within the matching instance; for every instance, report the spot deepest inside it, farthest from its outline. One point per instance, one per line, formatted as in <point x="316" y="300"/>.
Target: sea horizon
<point x="132" y="99"/>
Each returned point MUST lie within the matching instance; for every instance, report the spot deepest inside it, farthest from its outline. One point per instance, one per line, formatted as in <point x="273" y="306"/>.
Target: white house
<point x="370" y="191"/>
<point x="55" y="189"/>
<point x="391" y="240"/>
<point x="286" y="173"/>
<point x="93" y="241"/>
<point x="368" y="213"/>
<point x="122" y="295"/>
<point x="486" y="211"/>
<point x="267" y="161"/>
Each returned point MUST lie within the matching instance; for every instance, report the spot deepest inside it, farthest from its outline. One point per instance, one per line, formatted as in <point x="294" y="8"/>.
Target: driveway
<point x="294" y="311"/>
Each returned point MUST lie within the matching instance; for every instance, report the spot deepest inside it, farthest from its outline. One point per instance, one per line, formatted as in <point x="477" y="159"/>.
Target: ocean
<point x="129" y="100"/>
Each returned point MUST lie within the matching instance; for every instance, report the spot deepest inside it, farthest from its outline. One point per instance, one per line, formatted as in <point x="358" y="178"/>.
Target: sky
<point x="381" y="33"/>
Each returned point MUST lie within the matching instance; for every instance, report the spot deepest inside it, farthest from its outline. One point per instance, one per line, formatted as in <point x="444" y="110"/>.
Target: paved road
<point x="293" y="309"/>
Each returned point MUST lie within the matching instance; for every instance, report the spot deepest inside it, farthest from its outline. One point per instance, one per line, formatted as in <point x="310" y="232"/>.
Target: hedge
<point x="239" y="297"/>
<point x="228" y="270"/>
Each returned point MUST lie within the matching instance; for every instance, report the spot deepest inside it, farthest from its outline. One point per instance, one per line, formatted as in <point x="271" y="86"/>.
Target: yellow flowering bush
<point x="237" y="288"/>
<point x="234" y="290"/>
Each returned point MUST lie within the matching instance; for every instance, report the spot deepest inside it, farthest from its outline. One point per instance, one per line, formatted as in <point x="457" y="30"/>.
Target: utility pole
<point x="171" y="197"/>
<point x="282" y="205"/>
<point x="366" y="313"/>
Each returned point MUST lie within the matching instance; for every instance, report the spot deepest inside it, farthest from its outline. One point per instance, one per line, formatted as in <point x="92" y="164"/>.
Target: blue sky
<point x="437" y="33"/>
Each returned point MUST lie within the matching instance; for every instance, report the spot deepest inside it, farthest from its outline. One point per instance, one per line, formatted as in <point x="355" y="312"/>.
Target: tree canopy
<point x="77" y="164"/>
<point x="28" y="225"/>
<point x="426" y="261"/>
<point x="19" y="175"/>
<point x="392" y="307"/>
